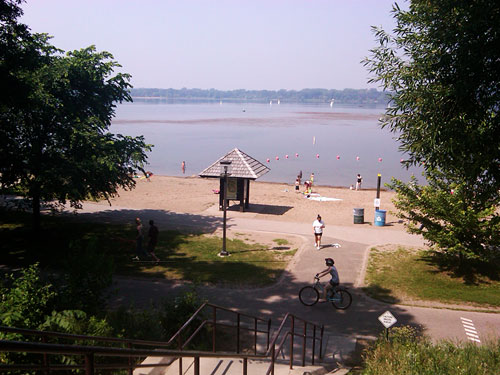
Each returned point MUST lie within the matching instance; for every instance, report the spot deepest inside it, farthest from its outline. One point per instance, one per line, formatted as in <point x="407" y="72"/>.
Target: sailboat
<point x="271" y="102"/>
<point x="331" y="103"/>
<point x="278" y="101"/>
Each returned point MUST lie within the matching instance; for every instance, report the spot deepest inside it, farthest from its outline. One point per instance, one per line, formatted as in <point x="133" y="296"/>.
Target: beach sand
<point x="269" y="201"/>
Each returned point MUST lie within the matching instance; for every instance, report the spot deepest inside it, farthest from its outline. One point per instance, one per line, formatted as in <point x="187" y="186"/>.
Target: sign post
<point x="379" y="179"/>
<point x="387" y="320"/>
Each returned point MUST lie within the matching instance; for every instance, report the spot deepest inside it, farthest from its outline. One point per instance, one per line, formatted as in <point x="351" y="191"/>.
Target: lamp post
<point x="225" y="164"/>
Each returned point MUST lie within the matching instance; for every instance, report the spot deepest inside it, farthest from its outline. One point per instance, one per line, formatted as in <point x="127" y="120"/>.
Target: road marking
<point x="470" y="330"/>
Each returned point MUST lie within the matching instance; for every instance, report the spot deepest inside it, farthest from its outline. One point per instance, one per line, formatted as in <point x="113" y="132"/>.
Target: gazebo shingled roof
<point x="242" y="166"/>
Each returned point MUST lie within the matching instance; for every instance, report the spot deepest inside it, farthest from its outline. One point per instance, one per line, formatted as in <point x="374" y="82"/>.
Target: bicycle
<point x="340" y="298"/>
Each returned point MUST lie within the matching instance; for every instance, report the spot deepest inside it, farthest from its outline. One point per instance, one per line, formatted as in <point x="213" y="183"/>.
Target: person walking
<point x="359" y="180"/>
<point x="139" y="251"/>
<point x="153" y="239"/>
<point x="318" y="226"/>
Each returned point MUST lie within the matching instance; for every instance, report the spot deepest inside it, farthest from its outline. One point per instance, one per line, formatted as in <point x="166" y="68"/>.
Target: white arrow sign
<point x="387" y="319"/>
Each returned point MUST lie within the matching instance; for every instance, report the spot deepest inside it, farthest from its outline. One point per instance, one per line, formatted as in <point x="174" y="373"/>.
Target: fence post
<point x="196" y="365"/>
<point x="214" y="324"/>
<point x="314" y="344"/>
<point x="45" y="358"/>
<point x="268" y="332"/>
<point x="273" y="354"/>
<point x="304" y="345"/>
<point x="255" y="336"/>
<point x="130" y="362"/>
<point x="180" y="358"/>
<point x="291" y="341"/>
<point x="238" y="318"/>
<point x="89" y="364"/>
<point x="321" y="342"/>
<point x="245" y="366"/>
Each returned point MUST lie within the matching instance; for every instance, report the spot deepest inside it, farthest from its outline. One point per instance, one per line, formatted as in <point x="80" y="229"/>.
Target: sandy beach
<point x="274" y="201"/>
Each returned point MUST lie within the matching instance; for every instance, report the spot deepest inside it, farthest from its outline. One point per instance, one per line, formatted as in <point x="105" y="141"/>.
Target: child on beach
<point x="297" y="185"/>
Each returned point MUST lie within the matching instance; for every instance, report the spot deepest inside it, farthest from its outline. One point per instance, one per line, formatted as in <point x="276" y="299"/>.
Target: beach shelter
<point x="243" y="168"/>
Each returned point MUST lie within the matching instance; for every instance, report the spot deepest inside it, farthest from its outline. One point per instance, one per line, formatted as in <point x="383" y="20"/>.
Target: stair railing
<point x="90" y="352"/>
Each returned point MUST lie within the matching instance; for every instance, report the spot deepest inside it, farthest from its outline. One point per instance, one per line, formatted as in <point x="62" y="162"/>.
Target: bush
<point x="87" y="274"/>
<point x="408" y="353"/>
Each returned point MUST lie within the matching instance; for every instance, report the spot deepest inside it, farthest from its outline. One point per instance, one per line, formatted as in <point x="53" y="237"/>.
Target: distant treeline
<point x="349" y="96"/>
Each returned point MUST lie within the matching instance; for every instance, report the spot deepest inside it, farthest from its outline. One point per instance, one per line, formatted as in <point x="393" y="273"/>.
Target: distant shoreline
<point x="255" y="101"/>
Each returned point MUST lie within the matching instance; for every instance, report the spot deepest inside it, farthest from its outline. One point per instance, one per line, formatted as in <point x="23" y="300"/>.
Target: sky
<point x="222" y="44"/>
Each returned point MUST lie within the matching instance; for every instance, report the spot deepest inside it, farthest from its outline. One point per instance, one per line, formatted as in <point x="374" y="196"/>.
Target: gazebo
<point x="243" y="169"/>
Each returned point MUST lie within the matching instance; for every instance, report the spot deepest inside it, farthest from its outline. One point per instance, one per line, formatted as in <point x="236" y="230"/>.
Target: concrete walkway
<point x="275" y="301"/>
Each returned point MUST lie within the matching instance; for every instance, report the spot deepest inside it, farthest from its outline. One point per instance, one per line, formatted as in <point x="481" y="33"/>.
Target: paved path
<point x="275" y="301"/>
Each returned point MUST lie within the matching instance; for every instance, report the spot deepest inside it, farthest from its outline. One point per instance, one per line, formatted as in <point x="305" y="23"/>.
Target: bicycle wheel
<point x="308" y="296"/>
<point x="342" y="299"/>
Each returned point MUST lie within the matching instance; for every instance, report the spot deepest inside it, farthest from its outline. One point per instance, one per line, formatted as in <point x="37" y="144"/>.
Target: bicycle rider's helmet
<point x="329" y="261"/>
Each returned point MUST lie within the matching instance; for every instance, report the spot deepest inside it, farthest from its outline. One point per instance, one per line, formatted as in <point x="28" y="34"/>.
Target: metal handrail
<point x="88" y="352"/>
<point x="291" y="333"/>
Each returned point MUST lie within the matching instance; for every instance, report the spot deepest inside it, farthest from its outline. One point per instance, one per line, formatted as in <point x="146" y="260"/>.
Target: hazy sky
<point x="222" y="44"/>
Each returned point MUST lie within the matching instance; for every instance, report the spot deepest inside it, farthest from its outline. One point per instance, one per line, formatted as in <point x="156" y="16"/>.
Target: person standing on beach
<point x="312" y="179"/>
<point x="153" y="239"/>
<point x="183" y="167"/>
<point x="297" y="184"/>
<point x="318" y="226"/>
<point x="300" y="177"/>
<point x="359" y="180"/>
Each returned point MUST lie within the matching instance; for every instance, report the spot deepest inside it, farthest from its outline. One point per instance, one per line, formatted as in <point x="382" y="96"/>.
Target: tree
<point x="441" y="68"/>
<point x="54" y="136"/>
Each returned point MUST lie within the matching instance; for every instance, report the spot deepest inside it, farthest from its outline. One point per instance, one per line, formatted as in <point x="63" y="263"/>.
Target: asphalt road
<point x="275" y="301"/>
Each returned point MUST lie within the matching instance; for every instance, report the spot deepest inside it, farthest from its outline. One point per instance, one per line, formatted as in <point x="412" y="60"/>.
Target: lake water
<point x="335" y="142"/>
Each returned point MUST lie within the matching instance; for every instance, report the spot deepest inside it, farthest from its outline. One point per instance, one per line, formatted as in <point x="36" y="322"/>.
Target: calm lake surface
<point x="335" y="142"/>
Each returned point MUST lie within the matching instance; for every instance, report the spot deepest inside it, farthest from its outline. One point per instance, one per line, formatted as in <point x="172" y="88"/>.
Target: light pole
<point x="225" y="164"/>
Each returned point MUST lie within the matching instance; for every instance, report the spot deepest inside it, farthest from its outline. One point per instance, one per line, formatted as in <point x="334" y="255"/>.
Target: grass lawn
<point x="190" y="257"/>
<point x="399" y="274"/>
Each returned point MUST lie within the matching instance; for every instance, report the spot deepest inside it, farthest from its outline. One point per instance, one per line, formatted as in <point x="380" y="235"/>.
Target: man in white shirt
<point x="318" y="226"/>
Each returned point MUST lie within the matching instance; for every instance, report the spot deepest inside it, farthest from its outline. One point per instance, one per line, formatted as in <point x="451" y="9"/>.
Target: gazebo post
<point x="247" y="198"/>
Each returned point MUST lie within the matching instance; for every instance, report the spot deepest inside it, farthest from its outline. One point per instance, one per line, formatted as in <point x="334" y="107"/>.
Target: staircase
<point x="240" y="344"/>
<point x="337" y="351"/>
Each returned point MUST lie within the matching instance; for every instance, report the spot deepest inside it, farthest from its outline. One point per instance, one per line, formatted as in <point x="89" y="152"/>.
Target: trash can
<point x="359" y="215"/>
<point x="380" y="218"/>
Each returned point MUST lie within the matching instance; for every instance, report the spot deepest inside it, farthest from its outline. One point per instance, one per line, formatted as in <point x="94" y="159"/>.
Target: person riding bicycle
<point x="334" y="281"/>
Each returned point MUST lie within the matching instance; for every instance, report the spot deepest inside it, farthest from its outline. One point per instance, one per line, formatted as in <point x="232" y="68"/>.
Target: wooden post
<point x="89" y="364"/>
<point x="247" y="201"/>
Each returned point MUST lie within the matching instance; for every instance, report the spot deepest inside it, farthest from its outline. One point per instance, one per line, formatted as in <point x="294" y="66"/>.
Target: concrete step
<point x="337" y="350"/>
<point x="234" y="366"/>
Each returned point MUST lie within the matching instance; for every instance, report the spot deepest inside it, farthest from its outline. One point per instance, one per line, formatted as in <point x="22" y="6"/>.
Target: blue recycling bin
<point x="380" y="218"/>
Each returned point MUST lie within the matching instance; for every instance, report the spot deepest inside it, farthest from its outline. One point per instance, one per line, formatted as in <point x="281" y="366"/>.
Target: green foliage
<point x="441" y="68"/>
<point x="161" y="321"/>
<point x="448" y="216"/>
<point x="174" y="313"/>
<point x="90" y="274"/>
<point x="54" y="134"/>
<point x="408" y="353"/>
<point x="27" y="301"/>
